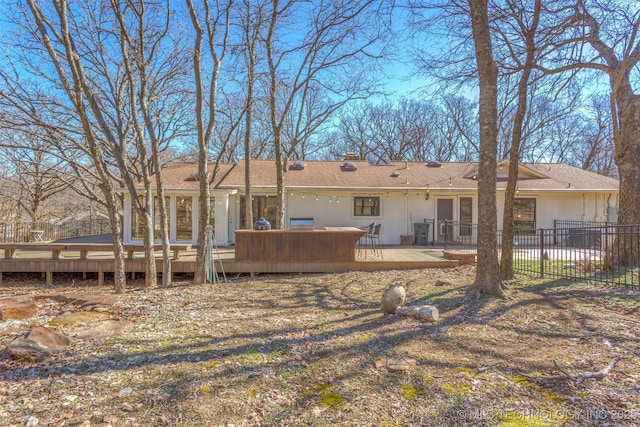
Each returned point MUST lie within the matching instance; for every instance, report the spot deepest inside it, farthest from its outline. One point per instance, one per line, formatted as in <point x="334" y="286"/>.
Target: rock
<point x="425" y="312"/>
<point x="18" y="307"/>
<point x="396" y="363"/>
<point x="49" y="339"/>
<point x="394" y="297"/>
<point x="125" y="391"/>
<point x="101" y="330"/>
<point x="26" y="350"/>
<point x="83" y="299"/>
<point x="442" y="283"/>
<point x="78" y="318"/>
<point x="110" y="419"/>
<point x="15" y="329"/>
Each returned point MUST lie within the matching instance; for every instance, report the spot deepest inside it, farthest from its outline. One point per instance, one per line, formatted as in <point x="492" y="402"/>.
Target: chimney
<point x="351" y="155"/>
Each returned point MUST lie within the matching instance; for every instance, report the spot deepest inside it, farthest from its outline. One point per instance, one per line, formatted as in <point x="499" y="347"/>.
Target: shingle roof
<point x="183" y="176"/>
<point x="410" y="175"/>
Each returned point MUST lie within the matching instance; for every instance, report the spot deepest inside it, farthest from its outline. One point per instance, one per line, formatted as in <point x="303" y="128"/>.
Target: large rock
<point x="27" y="350"/>
<point x="48" y="338"/>
<point x="70" y="320"/>
<point x="101" y="330"/>
<point x="18" y="307"/>
<point x="87" y="301"/>
<point x="394" y="297"/>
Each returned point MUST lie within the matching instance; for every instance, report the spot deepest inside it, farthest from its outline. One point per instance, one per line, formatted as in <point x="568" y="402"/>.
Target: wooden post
<point x="49" y="276"/>
<point x="100" y="278"/>
<point x="0" y="278"/>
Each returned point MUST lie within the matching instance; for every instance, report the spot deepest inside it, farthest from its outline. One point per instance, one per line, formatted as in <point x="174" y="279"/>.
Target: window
<point x="184" y="209"/>
<point x="137" y="221"/>
<point x="466" y="215"/>
<point x="524" y="215"/>
<point x="212" y="213"/>
<point x="261" y="207"/>
<point x="366" y="206"/>
<point x="157" y="223"/>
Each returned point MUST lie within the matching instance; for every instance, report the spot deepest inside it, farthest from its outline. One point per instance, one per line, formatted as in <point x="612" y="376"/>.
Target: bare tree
<point x="211" y="25"/>
<point x="327" y="62"/>
<point x="526" y="25"/>
<point x="35" y="173"/>
<point x="48" y="37"/>
<point x="603" y="37"/>
<point x="488" y="272"/>
<point x="151" y="77"/>
<point x="252" y="19"/>
<point x="109" y="85"/>
<point x="440" y="128"/>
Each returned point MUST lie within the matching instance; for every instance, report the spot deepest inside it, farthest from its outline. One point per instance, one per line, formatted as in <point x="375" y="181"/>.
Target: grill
<point x="262" y="224"/>
<point x="301" y="224"/>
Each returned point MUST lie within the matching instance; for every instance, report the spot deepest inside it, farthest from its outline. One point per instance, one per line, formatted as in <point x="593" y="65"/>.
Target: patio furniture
<point x="368" y="230"/>
<point x="37" y="235"/>
<point x="374" y="238"/>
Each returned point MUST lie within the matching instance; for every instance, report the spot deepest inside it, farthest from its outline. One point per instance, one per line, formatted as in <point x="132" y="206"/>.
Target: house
<point x="398" y="195"/>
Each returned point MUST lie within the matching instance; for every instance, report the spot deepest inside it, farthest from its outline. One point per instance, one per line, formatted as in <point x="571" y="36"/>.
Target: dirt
<point x="306" y="350"/>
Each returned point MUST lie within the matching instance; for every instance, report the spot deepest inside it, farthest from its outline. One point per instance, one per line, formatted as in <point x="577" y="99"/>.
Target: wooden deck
<point x="101" y="262"/>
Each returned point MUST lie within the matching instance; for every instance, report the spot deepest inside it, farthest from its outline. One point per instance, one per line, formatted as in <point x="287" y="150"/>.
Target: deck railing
<point x="17" y="232"/>
<point x="460" y="235"/>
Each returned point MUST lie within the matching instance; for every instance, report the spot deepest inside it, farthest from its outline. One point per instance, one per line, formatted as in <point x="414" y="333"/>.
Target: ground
<point x="302" y="350"/>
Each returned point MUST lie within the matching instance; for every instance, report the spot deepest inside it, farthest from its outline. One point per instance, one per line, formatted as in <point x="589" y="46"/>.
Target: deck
<point x="101" y="262"/>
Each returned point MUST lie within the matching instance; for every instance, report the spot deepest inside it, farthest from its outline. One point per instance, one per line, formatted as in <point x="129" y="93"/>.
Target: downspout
<point x="406" y="213"/>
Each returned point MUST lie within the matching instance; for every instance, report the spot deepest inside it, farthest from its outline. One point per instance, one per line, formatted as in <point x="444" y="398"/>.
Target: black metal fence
<point x="460" y="235"/>
<point x="592" y="251"/>
<point x="607" y="253"/>
<point x="17" y="232"/>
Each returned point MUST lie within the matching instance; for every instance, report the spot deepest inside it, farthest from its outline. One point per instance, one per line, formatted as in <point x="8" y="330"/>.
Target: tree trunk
<point x="506" y="261"/>
<point x="113" y="209"/>
<point x="250" y="41"/>
<point x="487" y="279"/>
<point x="203" y="217"/>
<point x="164" y="233"/>
<point x="628" y="162"/>
<point x="628" y="158"/>
<point x="150" y="276"/>
<point x="280" y="171"/>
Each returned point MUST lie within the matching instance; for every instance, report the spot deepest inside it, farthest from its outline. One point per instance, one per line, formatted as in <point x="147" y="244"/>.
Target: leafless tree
<point x="108" y="91"/>
<point x="524" y="23"/>
<point x="35" y="173"/>
<point x="325" y="65"/>
<point x="488" y="272"/>
<point x="438" y="129"/>
<point x="602" y="36"/>
<point x="142" y="32"/>
<point x="211" y="23"/>
<point x="69" y="99"/>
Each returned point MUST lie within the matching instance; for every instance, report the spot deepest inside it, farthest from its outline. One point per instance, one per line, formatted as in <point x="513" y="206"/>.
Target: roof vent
<point x="298" y="165"/>
<point x="195" y="176"/>
<point x="434" y="164"/>
<point x="395" y="174"/>
<point x="349" y="166"/>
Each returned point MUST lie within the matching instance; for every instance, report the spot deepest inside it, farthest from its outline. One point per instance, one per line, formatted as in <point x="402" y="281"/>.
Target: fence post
<point x="541" y="258"/>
